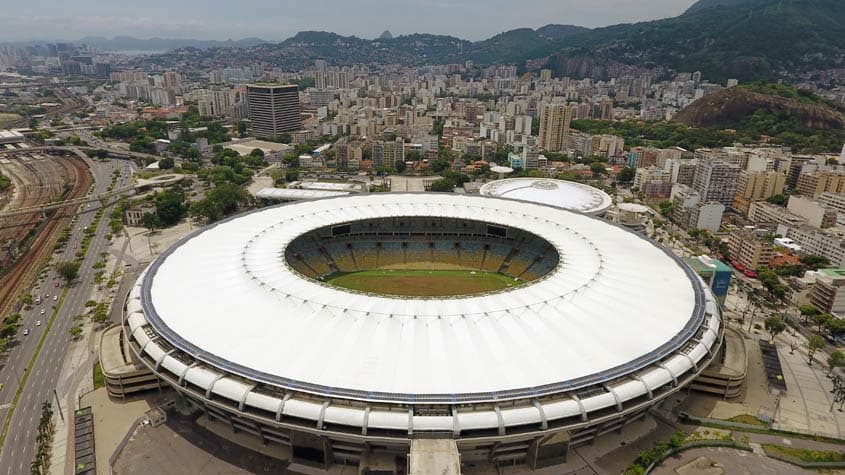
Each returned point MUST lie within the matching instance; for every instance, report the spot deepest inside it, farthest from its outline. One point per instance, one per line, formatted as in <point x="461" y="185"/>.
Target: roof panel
<point x="226" y="296"/>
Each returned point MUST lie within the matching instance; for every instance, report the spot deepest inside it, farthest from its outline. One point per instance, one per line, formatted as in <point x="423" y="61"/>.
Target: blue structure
<point x="715" y="272"/>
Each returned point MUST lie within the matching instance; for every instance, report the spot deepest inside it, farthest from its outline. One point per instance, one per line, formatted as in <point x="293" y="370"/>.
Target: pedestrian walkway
<point x="806" y="406"/>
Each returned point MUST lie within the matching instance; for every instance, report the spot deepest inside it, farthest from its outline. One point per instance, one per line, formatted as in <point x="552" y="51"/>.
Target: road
<point x="18" y="450"/>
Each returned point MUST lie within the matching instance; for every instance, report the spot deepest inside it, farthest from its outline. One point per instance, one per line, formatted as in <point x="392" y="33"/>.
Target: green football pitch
<point x="422" y="283"/>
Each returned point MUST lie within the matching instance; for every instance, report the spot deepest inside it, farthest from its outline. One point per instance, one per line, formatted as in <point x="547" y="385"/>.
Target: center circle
<point x="421" y="257"/>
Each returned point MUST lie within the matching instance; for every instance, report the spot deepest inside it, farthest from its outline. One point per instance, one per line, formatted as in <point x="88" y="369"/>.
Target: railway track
<point x="19" y="277"/>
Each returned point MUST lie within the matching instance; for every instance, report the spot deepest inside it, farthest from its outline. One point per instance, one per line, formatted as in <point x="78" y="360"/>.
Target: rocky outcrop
<point x="730" y="107"/>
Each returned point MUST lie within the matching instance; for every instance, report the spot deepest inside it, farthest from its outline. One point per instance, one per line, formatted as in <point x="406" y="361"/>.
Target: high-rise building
<point x="749" y="250"/>
<point x="554" y="127"/>
<point x="716" y="181"/>
<point x="349" y="154"/>
<point x="829" y="243"/>
<point x="757" y="186"/>
<point x="813" y="184"/>
<point x="388" y="153"/>
<point x="828" y="293"/>
<point x="273" y="109"/>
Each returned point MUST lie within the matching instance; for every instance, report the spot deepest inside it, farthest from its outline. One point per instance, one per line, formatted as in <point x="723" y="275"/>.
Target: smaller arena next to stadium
<point x="353" y="329"/>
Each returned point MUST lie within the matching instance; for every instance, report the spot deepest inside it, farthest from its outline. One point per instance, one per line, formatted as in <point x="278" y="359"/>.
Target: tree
<point x="808" y="311"/>
<point x="814" y="262"/>
<point x="222" y="200"/>
<point x="443" y="185"/>
<point x="777" y="200"/>
<point x="626" y="175"/>
<point x="441" y="164"/>
<point x="150" y="221"/>
<point x="771" y="282"/>
<point x="75" y="331"/>
<point x="67" y="270"/>
<point x="775" y="326"/>
<point x="205" y="209"/>
<point x="814" y="344"/>
<point x="597" y="168"/>
<point x="836" y="360"/>
<point x="292" y="175"/>
<point x="242" y="127"/>
<point x="170" y="206"/>
<point x="820" y="320"/>
<point x="835" y="326"/>
<point x="400" y="166"/>
<point x="165" y="164"/>
<point x="412" y="155"/>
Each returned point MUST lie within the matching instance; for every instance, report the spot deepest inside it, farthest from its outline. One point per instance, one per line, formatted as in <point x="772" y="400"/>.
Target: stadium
<point x="562" y="193"/>
<point x="353" y="329"/>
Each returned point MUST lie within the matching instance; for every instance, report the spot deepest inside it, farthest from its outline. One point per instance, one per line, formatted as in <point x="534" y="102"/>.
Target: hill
<point x="791" y="117"/>
<point x="744" y="39"/>
<point x="701" y="5"/>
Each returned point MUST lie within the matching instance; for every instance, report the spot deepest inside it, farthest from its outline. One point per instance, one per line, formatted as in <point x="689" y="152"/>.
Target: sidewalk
<point x="806" y="405"/>
<point x="77" y="378"/>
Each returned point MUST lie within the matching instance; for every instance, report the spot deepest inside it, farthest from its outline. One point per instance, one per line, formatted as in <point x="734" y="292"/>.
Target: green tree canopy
<point x="67" y="270"/>
<point x="170" y="206"/>
<point x="443" y="185"/>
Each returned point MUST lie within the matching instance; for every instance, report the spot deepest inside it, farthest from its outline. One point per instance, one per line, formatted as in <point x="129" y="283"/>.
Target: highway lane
<point x="18" y="450"/>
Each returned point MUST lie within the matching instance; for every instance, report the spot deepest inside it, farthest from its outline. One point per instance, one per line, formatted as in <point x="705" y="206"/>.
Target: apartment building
<point x="757" y="186"/>
<point x="749" y="250"/>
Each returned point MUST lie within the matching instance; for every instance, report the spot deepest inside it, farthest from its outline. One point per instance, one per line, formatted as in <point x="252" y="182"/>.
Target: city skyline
<point x="275" y="22"/>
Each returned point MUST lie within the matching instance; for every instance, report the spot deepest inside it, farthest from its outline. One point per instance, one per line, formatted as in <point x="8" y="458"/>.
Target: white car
<point x="43" y="311"/>
<point x="26" y="331"/>
<point x="55" y="297"/>
<point x="38" y="323"/>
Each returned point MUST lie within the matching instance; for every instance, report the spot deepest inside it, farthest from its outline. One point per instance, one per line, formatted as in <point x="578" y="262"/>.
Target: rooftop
<point x="565" y="194"/>
<point x="227" y="296"/>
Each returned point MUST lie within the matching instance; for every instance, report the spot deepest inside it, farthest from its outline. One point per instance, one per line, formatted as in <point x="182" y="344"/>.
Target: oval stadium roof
<point x="616" y="303"/>
<point x="565" y="194"/>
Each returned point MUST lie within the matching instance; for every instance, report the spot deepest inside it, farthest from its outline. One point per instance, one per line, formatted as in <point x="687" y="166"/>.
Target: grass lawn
<point x="99" y="379"/>
<point x="422" y="283"/>
<point x="805" y="455"/>
<point x="747" y="419"/>
<point x="6" y="118"/>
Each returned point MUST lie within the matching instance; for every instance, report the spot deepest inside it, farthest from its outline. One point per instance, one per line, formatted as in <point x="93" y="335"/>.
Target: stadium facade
<point x="236" y="318"/>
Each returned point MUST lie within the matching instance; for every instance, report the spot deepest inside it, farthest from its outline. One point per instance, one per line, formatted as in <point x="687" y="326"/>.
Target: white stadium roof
<point x="226" y="296"/>
<point x="561" y="193"/>
<point x="296" y="194"/>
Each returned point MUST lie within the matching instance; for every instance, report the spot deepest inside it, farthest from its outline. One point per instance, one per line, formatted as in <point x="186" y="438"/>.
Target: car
<point x="57" y="284"/>
<point x="38" y="323"/>
<point x="55" y="297"/>
<point x="47" y="295"/>
<point x="43" y="311"/>
<point x="26" y="331"/>
<point x="750" y="273"/>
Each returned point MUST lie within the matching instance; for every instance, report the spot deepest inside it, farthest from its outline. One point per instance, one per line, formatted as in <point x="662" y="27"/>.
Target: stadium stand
<point x="421" y="243"/>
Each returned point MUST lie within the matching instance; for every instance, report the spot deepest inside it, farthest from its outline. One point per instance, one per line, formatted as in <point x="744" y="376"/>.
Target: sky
<point x="280" y="19"/>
